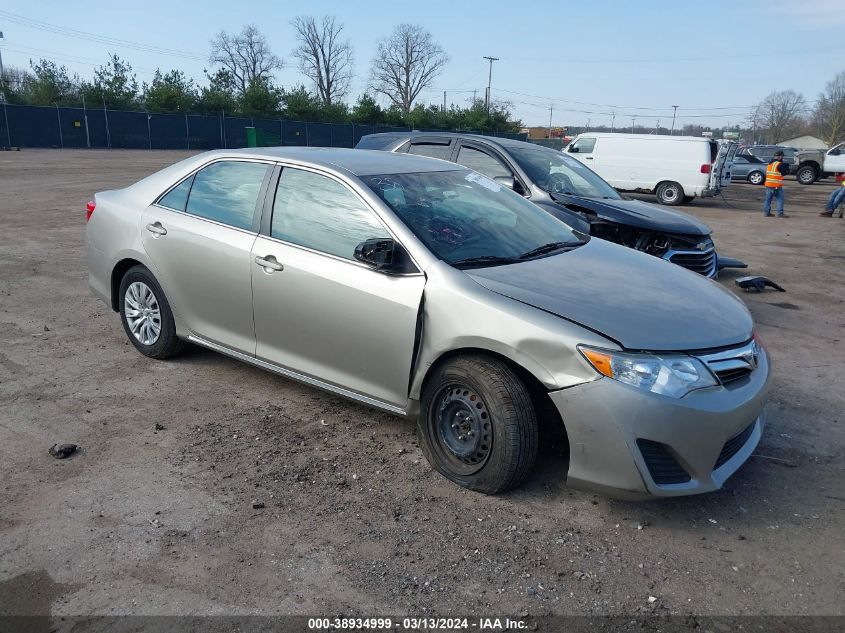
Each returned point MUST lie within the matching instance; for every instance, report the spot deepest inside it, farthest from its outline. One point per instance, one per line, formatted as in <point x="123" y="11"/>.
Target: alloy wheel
<point x="143" y="314"/>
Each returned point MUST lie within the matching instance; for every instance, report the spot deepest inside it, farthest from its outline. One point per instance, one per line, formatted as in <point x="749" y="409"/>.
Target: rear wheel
<point x="146" y="315"/>
<point x="670" y="193"/>
<point x="477" y="424"/>
<point x="807" y="175"/>
<point x="756" y="177"/>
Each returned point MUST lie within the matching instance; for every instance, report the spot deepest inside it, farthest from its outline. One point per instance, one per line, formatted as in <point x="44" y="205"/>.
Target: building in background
<point x="804" y="142"/>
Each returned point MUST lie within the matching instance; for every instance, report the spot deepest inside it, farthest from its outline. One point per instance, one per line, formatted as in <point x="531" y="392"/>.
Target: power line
<point x="94" y="37"/>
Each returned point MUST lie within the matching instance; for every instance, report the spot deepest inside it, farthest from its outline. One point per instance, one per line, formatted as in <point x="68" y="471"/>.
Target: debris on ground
<point x="159" y="426"/>
<point x="257" y="505"/>
<point x="757" y="283"/>
<point x="63" y="451"/>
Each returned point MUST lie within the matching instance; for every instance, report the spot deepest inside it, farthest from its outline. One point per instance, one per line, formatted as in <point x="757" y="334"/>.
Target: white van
<point x="675" y="168"/>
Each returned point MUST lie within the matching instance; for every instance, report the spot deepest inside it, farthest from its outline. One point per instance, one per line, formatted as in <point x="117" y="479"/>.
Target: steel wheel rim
<point x="805" y="176"/>
<point x="755" y="178"/>
<point x="142" y="312"/>
<point x="670" y="194"/>
<point x="462" y="428"/>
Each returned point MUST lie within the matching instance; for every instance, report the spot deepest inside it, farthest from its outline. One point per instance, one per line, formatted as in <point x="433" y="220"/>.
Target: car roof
<point x="502" y="141"/>
<point x="359" y="162"/>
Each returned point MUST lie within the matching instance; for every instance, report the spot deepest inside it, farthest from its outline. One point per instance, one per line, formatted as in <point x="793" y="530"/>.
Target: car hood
<point x="639" y="301"/>
<point x="639" y="214"/>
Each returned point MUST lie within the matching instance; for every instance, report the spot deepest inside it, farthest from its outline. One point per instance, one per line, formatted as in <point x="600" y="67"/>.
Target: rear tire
<point x="756" y="178"/>
<point x="669" y="193"/>
<point x="807" y="175"/>
<point x="146" y="315"/>
<point x="477" y="424"/>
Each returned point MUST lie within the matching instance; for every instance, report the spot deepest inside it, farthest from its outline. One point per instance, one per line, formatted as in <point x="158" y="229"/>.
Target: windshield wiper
<point x="549" y="248"/>
<point x="484" y="260"/>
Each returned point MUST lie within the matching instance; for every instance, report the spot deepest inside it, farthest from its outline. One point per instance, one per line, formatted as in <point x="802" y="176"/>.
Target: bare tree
<point x="406" y="63"/>
<point x="780" y="113"/>
<point x="246" y="56"/>
<point x="324" y="57"/>
<point x="830" y="110"/>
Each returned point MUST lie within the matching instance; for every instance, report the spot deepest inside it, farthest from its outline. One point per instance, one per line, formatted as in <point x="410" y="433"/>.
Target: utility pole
<point x="489" y="80"/>
<point x="1" y="58"/>
<point x="633" y="120"/>
<point x="674" y="113"/>
<point x="85" y="117"/>
<point x="612" y="121"/>
<point x="444" y="101"/>
<point x="551" y="109"/>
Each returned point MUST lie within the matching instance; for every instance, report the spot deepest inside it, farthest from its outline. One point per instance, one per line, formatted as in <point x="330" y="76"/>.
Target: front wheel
<point x="670" y="193"/>
<point x="806" y="175"/>
<point x="477" y="424"/>
<point x="146" y="315"/>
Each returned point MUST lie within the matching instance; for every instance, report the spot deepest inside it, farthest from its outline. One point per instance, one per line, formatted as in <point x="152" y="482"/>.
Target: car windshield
<point x="469" y="220"/>
<point x="558" y="173"/>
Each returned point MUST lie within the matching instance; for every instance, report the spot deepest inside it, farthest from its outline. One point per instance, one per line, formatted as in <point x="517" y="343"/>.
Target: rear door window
<point x="227" y="192"/>
<point x="483" y="163"/>
<point x="432" y="150"/>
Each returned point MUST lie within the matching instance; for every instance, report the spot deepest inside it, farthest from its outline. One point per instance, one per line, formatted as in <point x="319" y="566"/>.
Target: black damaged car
<point x="571" y="192"/>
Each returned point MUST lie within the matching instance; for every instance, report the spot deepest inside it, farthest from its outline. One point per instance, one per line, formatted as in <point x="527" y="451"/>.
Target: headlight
<point x="668" y="374"/>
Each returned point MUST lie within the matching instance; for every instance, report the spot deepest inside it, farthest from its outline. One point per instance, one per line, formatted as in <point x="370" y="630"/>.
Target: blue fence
<point x="40" y="126"/>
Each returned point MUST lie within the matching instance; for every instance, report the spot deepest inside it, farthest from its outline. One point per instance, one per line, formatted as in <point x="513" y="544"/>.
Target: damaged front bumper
<point x="630" y="444"/>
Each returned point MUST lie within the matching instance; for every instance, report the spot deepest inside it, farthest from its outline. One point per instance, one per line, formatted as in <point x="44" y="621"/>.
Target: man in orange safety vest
<point x="775" y="172"/>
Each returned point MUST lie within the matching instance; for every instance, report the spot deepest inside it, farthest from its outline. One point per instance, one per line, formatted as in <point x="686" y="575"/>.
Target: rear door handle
<point x="156" y="229"/>
<point x="269" y="264"/>
<point x="588" y="158"/>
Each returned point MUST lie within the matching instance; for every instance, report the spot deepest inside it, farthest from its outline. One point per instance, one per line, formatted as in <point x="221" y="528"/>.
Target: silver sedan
<point x="425" y="289"/>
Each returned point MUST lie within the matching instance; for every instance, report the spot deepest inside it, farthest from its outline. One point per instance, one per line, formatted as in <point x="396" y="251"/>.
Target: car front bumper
<point x="709" y="434"/>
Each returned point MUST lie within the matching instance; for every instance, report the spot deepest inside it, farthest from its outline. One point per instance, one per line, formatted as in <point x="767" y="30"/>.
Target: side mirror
<point x="572" y="149"/>
<point x="384" y="255"/>
<point x="505" y="181"/>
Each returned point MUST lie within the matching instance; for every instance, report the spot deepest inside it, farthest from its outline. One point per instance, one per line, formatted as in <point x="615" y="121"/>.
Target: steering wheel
<point x="560" y="183"/>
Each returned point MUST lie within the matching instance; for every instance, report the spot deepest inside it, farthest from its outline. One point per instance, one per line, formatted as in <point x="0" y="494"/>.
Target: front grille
<point x="732" y="365"/>
<point x="662" y="467"/>
<point x="703" y="262"/>
<point x="733" y="445"/>
<point x="727" y="376"/>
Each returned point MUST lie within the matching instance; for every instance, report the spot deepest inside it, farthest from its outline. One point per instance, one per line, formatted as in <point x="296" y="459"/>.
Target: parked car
<point x="765" y="153"/>
<point x="834" y="160"/>
<point x="431" y="291"/>
<point x="748" y="168"/>
<point x="569" y="191"/>
<point x="676" y="169"/>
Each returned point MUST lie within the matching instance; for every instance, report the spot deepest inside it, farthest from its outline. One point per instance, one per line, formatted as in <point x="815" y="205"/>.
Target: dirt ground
<point x="146" y="521"/>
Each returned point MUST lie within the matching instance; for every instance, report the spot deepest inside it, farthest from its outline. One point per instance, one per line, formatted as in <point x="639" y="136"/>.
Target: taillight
<point x="89" y="209"/>
<point x="705" y="168"/>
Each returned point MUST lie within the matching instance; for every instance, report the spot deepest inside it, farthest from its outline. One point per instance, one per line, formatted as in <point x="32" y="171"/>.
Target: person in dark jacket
<point x="775" y="172"/>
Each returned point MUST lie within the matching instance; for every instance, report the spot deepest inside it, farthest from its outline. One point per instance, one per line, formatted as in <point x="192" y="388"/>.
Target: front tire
<point x="670" y="193"/>
<point x="756" y="178"/>
<point x="477" y="424"/>
<point x="146" y="315"/>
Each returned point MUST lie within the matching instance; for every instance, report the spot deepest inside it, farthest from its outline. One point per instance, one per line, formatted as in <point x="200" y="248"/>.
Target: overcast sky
<point x="587" y="59"/>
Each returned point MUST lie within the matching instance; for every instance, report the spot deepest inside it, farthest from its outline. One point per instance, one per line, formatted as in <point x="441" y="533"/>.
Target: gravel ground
<point x="152" y="520"/>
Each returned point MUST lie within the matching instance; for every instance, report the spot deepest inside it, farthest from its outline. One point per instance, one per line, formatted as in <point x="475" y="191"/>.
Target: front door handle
<point x="156" y="229"/>
<point x="588" y="158"/>
<point x="269" y="264"/>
